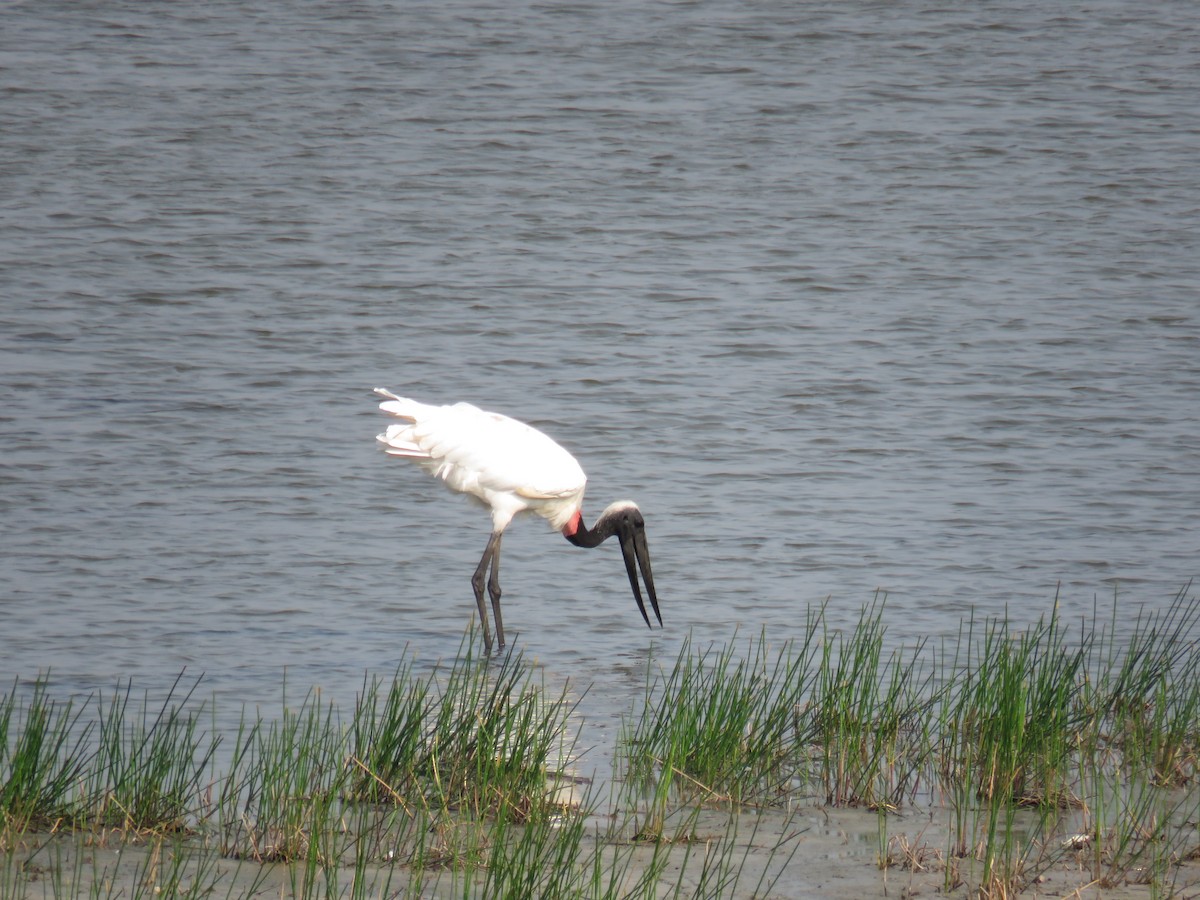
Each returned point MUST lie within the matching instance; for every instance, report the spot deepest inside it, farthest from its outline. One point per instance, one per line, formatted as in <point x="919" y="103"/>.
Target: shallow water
<point x="854" y="297"/>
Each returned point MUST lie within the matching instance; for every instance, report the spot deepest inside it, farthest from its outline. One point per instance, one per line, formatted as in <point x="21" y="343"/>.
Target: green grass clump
<point x="1029" y="747"/>
<point x="1009" y="727"/>
<point x="482" y="739"/>
<point x="148" y="772"/>
<point x="43" y="754"/>
<point x="824" y="712"/>
<point x="718" y="727"/>
<point x="283" y="791"/>
<point x="1030" y="735"/>
<point x="496" y="739"/>
<point x="1148" y="692"/>
<point x="864" y="717"/>
<point x="387" y="738"/>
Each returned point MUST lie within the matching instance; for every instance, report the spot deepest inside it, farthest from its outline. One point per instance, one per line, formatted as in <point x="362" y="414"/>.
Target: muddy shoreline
<point x="814" y="852"/>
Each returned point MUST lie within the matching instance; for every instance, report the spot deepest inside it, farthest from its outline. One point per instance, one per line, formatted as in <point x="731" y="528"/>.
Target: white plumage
<point x="512" y="468"/>
<point x="507" y="464"/>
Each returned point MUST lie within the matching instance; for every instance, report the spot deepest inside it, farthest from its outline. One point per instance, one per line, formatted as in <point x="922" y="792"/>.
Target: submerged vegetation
<point x="1023" y="749"/>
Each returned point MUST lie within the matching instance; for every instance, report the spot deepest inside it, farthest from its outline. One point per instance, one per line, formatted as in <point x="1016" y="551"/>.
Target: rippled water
<point x="847" y="296"/>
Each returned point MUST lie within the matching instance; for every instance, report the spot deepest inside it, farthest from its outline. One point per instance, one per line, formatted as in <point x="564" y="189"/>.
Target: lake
<point x="849" y="297"/>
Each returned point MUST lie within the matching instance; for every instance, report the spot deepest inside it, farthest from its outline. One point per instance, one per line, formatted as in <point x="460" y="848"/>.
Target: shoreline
<point x="1028" y="762"/>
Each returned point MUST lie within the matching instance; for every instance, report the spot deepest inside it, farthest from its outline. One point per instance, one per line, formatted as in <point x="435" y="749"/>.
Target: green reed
<point x="480" y="738"/>
<point x="1009" y="716"/>
<point x="1013" y="727"/>
<point x="88" y="863"/>
<point x="1141" y="761"/>
<point x="151" y="763"/>
<point x="1037" y="720"/>
<point x="1006" y="740"/>
<point x="284" y="790"/>
<point x="1039" y="745"/>
<point x="864" y="716"/>
<point x="387" y="739"/>
<point x="535" y="858"/>
<point x="824" y="712"/>
<point x="718" y="727"/>
<point x="44" y="751"/>
<point x="1148" y="693"/>
<point x="495" y="739"/>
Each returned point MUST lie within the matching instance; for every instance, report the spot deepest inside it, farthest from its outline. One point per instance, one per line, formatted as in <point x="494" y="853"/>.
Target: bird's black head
<point x="625" y="520"/>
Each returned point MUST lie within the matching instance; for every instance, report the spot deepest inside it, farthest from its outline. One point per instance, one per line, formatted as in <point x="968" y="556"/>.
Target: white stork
<point x="512" y="468"/>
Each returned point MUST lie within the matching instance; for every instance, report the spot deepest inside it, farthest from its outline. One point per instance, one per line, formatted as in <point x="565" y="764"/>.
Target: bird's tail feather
<point x="398" y="439"/>
<point x="396" y="443"/>
<point x="400" y="407"/>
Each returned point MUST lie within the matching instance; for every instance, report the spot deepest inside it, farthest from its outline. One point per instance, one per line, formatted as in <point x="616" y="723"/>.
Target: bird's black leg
<point x="489" y="552"/>
<point x="494" y="592"/>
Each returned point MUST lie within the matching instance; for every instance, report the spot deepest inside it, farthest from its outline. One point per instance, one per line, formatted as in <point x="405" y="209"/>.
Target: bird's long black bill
<point x="636" y="554"/>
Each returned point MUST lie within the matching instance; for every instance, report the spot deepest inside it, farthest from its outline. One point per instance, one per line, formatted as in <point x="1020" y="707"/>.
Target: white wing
<point x="505" y="463"/>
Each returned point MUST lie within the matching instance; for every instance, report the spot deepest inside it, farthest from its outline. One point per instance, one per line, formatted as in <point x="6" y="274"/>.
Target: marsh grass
<point x="283" y="792"/>
<point x="1007" y="732"/>
<point x="537" y="857"/>
<point x="864" y="716"/>
<point x="725" y="859"/>
<point x="1010" y="724"/>
<point x="1133" y="828"/>
<point x="717" y="726"/>
<point x="480" y="739"/>
<point x="86" y="863"/>
<point x="1148" y="692"/>
<point x="497" y="741"/>
<point x="1035" y="746"/>
<point x="151" y="763"/>
<point x="44" y="750"/>
<point x="825" y="713"/>
<point x="1022" y="733"/>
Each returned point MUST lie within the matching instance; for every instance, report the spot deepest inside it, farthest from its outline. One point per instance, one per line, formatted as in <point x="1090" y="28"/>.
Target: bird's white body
<point x="512" y="468"/>
<point x="508" y="465"/>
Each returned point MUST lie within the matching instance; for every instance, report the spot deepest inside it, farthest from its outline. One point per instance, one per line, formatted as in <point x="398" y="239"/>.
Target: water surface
<point x="849" y="297"/>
